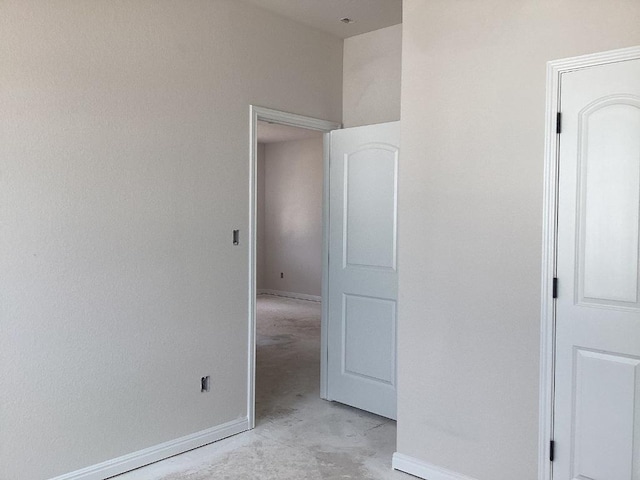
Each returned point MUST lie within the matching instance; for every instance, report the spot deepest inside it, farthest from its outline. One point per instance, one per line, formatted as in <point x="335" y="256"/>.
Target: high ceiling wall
<point x="470" y="212"/>
<point x="124" y="168"/>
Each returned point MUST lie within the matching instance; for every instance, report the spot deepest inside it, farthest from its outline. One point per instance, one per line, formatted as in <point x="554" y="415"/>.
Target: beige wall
<point x="371" y="89"/>
<point x="293" y="174"/>
<point x="260" y="208"/>
<point x="473" y="99"/>
<point x="124" y="168"/>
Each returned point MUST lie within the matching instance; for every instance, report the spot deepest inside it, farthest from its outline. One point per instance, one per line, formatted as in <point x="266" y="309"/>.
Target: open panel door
<point x="363" y="275"/>
<point x="597" y="375"/>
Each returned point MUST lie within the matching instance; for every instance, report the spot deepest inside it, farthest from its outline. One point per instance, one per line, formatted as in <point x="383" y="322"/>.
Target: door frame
<point x="555" y="69"/>
<point x="258" y="113"/>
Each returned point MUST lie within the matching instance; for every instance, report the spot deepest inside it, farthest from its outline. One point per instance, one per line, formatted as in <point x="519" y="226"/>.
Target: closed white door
<point x="363" y="275"/>
<point x="597" y="380"/>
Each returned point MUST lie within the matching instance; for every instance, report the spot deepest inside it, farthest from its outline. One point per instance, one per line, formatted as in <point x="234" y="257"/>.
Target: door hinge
<point x="555" y="287"/>
<point x="559" y="123"/>
<point x="552" y="448"/>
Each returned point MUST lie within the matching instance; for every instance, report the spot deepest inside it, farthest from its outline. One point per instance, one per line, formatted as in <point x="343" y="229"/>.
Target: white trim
<point x="253" y="215"/>
<point x="294" y="120"/>
<point x="555" y="69"/>
<point x="324" y="322"/>
<point x="299" y="296"/>
<point x="425" y="470"/>
<point x="153" y="454"/>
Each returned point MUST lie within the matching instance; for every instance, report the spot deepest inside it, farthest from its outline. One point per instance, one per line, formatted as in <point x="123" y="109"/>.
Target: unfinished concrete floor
<point x="297" y="435"/>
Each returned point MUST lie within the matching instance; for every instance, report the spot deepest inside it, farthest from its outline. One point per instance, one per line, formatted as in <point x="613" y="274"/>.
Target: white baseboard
<point x="153" y="454"/>
<point x="299" y="296"/>
<point x="421" y="469"/>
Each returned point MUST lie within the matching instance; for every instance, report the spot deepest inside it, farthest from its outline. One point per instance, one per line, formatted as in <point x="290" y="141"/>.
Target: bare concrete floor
<point x="297" y="435"/>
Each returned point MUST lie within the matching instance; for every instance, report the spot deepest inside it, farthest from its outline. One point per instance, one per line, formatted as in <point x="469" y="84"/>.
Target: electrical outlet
<point x="205" y="384"/>
<point x="281" y="274"/>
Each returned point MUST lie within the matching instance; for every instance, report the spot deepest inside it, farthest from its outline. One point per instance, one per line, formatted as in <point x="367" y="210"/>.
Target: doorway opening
<point x="283" y="331"/>
<point x="288" y="270"/>
<point x="289" y="282"/>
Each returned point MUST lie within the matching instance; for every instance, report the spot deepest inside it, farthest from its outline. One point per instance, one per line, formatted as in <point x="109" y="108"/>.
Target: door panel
<point x="370" y="182"/>
<point x="610" y="201"/>
<point x="369" y="326"/>
<point x="363" y="280"/>
<point x="605" y="417"/>
<point x="597" y="374"/>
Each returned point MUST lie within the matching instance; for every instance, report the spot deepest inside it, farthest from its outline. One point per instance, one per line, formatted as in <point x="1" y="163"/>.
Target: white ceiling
<point x="325" y="15"/>
<point x="272" y="133"/>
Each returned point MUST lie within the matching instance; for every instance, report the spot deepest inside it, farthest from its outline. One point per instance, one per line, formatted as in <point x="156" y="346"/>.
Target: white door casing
<point x="294" y="120"/>
<point x="363" y="274"/>
<point x="596" y="407"/>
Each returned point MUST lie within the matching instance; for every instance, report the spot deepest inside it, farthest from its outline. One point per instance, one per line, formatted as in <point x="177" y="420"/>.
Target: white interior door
<point x="597" y="376"/>
<point x="363" y="276"/>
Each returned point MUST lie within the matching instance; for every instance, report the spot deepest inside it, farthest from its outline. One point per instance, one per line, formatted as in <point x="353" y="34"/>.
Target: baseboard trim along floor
<point x="421" y="469"/>
<point x="149" y="455"/>
<point x="299" y="296"/>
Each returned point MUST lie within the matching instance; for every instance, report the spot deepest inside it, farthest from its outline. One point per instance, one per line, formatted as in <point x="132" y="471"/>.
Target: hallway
<point x="297" y="435"/>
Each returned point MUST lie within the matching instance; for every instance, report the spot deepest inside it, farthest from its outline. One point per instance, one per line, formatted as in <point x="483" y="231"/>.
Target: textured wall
<point x="470" y="210"/>
<point x="372" y="66"/>
<point x="124" y="167"/>
<point x="293" y="174"/>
